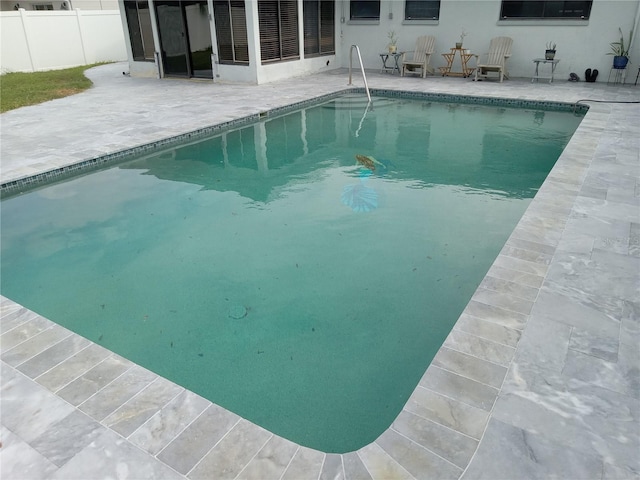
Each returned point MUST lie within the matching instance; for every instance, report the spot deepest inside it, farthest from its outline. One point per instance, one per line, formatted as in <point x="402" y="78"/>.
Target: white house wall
<point x="297" y="68"/>
<point x="580" y="44"/>
<point x="143" y="69"/>
<point x="235" y="74"/>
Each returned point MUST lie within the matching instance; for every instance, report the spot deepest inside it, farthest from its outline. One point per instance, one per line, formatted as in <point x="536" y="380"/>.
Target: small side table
<point x="464" y="55"/>
<point x="544" y="61"/>
<point x="394" y="67"/>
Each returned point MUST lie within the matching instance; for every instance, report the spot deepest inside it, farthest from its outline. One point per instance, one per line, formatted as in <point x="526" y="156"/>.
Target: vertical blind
<point x="278" y="20"/>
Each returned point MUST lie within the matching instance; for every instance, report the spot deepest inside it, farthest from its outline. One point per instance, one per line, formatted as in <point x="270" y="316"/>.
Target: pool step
<point x="357" y="102"/>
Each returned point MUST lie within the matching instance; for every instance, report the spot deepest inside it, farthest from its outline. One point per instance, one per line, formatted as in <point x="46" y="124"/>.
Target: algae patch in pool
<point x="270" y="272"/>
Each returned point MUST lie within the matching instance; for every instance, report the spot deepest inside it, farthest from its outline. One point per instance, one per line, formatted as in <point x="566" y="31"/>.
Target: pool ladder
<point x="364" y="77"/>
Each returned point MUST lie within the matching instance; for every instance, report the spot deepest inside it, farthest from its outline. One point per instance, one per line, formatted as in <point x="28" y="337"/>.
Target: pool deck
<point x="540" y="377"/>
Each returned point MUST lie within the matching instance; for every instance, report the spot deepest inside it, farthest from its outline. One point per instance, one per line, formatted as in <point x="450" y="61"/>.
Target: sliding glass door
<point x="185" y="38"/>
<point x="173" y="41"/>
<point x="196" y="16"/>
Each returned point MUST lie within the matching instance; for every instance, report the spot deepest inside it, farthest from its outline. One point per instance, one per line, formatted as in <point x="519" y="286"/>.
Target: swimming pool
<point x="325" y="311"/>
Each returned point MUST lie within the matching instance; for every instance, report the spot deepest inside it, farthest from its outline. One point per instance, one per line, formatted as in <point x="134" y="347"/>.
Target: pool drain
<point x="237" y="311"/>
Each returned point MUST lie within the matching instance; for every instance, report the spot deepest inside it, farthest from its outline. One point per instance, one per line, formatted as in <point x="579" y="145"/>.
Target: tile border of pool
<point x="403" y="451"/>
<point x="21" y="185"/>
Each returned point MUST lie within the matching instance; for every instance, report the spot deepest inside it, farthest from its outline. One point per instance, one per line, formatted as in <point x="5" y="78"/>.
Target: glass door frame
<point x="187" y="53"/>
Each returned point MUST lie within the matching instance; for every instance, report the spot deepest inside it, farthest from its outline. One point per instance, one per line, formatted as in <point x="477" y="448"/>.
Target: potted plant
<point x="393" y="40"/>
<point x="550" y="52"/>
<point x="462" y="35"/>
<point x="620" y="51"/>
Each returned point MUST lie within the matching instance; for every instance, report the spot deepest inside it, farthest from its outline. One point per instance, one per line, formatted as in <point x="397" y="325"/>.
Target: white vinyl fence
<point x="47" y="40"/>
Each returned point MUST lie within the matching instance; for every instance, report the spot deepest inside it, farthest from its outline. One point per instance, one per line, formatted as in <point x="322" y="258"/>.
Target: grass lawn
<point x="19" y="89"/>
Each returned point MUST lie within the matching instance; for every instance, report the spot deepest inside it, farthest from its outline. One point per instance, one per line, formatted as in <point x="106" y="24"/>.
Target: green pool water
<point x="267" y="271"/>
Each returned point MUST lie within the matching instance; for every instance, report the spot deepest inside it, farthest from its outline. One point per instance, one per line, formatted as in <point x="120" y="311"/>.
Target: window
<point x="365" y="9"/>
<point x="422" y="10"/>
<point x="545" y="9"/>
<point x="278" y="20"/>
<point x="231" y="31"/>
<point x="140" y="33"/>
<point x="319" y="27"/>
<point x="43" y="6"/>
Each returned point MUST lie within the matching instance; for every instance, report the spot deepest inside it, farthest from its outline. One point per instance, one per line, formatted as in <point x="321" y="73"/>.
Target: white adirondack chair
<point x="496" y="60"/>
<point x="421" y="57"/>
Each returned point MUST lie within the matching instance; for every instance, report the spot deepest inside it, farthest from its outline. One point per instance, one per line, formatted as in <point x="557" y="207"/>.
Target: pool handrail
<point x="364" y="77"/>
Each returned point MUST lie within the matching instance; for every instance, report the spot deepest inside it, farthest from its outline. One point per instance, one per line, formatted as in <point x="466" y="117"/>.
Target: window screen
<point x="544" y="9"/>
<point x="319" y="27"/>
<point x="231" y="31"/>
<point x="422" y="10"/>
<point x="140" y="33"/>
<point x="365" y="9"/>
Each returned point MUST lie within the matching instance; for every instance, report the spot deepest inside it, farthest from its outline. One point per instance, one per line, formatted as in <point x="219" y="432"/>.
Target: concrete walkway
<point x="540" y="377"/>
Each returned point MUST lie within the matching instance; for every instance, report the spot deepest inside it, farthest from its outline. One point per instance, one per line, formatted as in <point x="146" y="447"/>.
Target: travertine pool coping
<point x="538" y="378"/>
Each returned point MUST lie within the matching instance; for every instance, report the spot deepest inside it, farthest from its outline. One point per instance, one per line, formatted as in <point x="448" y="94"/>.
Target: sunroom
<point x="260" y="41"/>
<point x="229" y="40"/>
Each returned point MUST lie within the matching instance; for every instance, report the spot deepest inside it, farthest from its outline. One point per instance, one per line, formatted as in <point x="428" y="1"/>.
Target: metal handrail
<point x="364" y="77"/>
